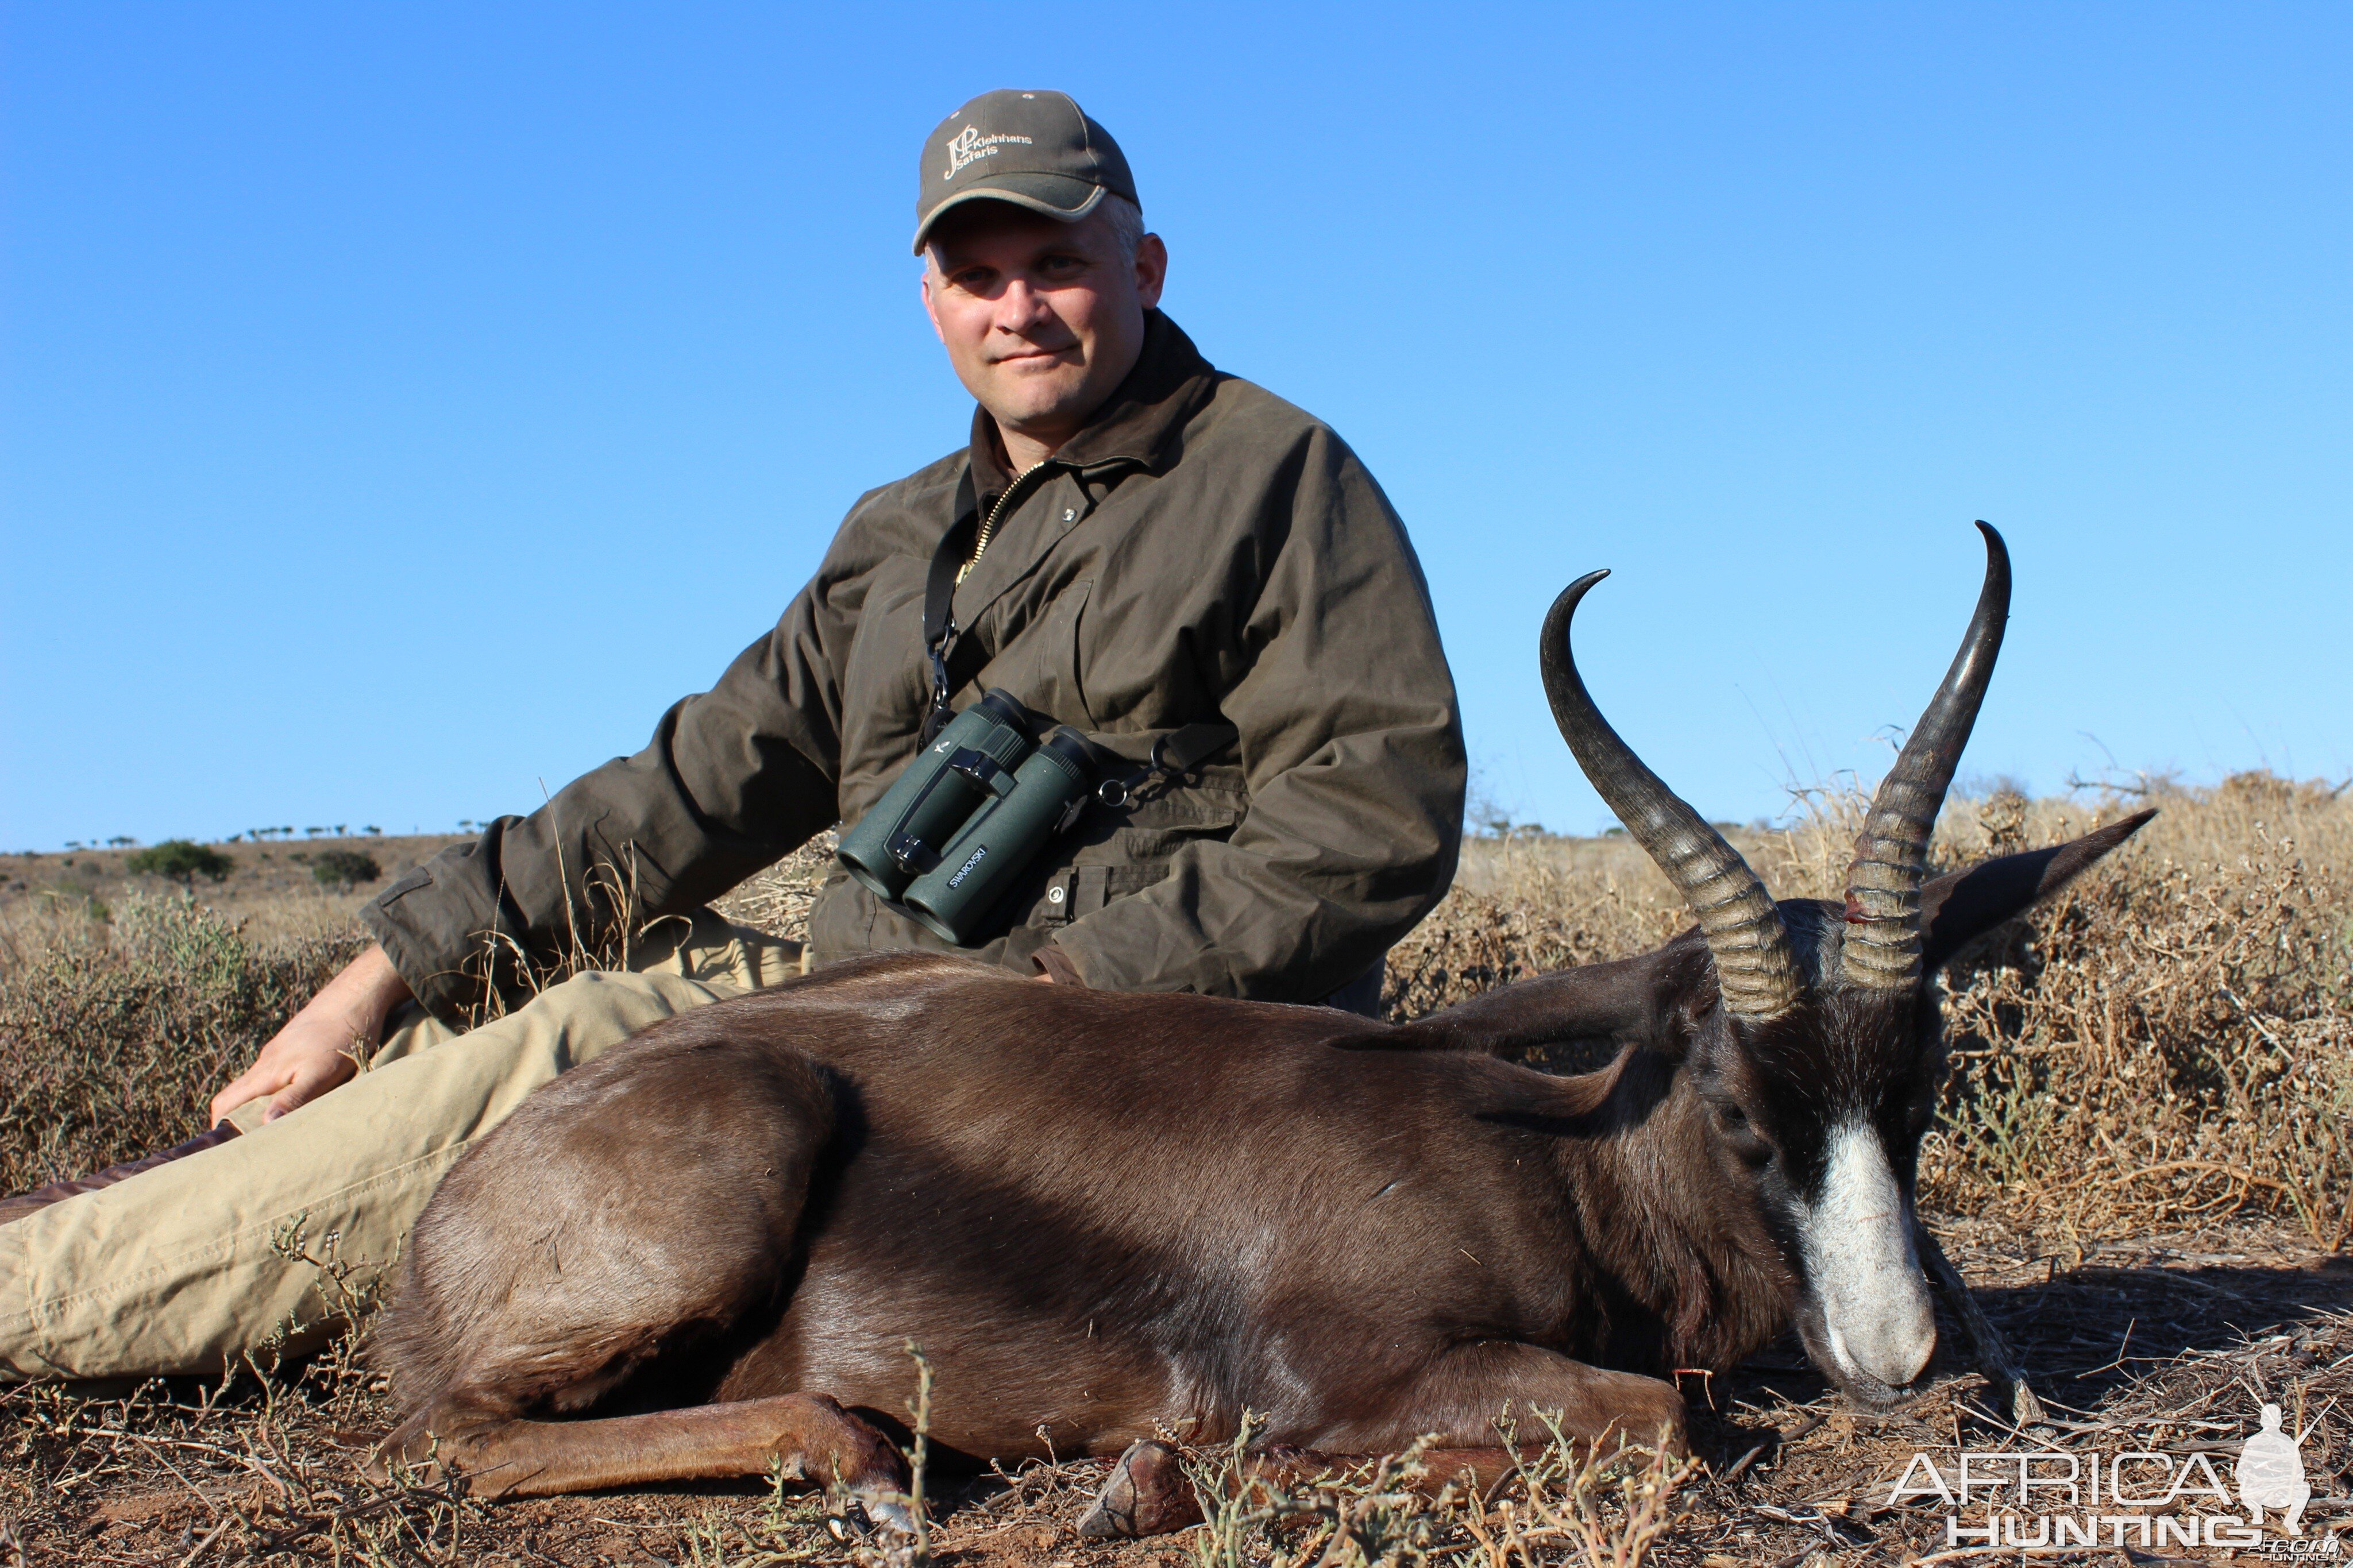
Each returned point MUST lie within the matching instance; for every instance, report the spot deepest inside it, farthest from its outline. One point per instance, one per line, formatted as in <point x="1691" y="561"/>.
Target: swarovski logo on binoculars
<point x="983" y="798"/>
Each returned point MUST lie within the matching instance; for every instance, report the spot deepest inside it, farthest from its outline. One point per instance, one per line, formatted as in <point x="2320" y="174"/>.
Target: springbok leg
<point x="1148" y="1493"/>
<point x="810" y="1435"/>
<point x="1469" y="1397"/>
<point x="566" y="1257"/>
<point x="1461" y="1398"/>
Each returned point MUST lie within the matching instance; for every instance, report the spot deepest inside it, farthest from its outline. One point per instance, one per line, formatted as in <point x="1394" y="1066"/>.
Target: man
<point x="1199" y="577"/>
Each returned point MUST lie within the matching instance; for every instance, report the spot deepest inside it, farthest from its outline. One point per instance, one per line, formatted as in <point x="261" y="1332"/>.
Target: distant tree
<point x="183" y="862"/>
<point x="373" y="831"/>
<point x="121" y="841"/>
<point x="344" y="868"/>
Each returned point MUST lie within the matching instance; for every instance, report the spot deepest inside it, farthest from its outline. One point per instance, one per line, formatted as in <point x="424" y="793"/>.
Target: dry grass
<point x="1608" y="1505"/>
<point x="113" y="1033"/>
<point x="2145" y="1166"/>
<point x="2170" y="1040"/>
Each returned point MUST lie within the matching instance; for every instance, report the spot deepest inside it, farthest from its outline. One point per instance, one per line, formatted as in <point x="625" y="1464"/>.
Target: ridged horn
<point x="1738" y="916"/>
<point x="1891" y="853"/>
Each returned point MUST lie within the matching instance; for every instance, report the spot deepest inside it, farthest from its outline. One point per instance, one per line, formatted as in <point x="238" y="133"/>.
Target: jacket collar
<point x="1139" y="422"/>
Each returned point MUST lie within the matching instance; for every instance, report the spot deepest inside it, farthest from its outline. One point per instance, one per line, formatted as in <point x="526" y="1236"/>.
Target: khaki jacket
<point x="1201" y="552"/>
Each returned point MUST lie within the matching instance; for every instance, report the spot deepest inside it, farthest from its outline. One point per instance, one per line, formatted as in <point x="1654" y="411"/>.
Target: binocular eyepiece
<point x="956" y="828"/>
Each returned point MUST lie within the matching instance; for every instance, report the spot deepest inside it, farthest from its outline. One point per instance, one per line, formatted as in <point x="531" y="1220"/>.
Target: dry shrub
<point x="1522" y="909"/>
<point x="114" y="1034"/>
<point x="777" y="901"/>
<point x="2169" y="1042"/>
<point x="1577" y="1505"/>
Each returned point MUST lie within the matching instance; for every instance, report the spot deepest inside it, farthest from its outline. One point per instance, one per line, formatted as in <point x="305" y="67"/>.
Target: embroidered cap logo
<point x="968" y="145"/>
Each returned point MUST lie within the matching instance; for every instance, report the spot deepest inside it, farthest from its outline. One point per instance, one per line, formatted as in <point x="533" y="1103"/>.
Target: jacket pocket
<point x="1060" y="683"/>
<point x="1076" y="891"/>
<point x="1125" y="850"/>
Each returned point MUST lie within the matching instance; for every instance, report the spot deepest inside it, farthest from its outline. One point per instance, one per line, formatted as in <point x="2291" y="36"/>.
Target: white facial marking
<point x="1859" y="1258"/>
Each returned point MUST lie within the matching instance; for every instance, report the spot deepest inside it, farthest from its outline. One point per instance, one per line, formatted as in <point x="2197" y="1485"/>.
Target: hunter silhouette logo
<point x="2271" y="1474"/>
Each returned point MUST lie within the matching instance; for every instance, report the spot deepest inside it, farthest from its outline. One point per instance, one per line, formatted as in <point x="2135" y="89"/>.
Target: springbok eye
<point x="1741" y="1137"/>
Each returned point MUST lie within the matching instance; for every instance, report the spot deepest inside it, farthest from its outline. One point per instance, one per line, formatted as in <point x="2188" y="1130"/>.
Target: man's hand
<point x="1054" y="967"/>
<point x="315" y="1051"/>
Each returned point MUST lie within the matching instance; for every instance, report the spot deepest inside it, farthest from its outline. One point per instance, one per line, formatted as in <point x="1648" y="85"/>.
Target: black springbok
<point x="1104" y="1216"/>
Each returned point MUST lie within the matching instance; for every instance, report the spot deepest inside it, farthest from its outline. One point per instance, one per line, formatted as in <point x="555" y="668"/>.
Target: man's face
<point x="1041" y="320"/>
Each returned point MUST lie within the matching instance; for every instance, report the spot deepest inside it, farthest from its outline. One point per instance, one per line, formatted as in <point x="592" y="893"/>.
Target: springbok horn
<point x="1738" y="916"/>
<point x="1891" y="853"/>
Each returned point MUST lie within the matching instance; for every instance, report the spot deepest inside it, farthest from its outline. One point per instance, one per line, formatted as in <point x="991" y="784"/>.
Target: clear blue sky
<point x="405" y="404"/>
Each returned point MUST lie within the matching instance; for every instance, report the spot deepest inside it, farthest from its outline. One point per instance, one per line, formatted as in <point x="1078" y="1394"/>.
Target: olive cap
<point x="1037" y="150"/>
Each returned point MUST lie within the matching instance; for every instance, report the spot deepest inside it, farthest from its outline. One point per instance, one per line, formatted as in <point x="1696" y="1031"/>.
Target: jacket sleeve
<point x="732" y="780"/>
<point x="1352" y="747"/>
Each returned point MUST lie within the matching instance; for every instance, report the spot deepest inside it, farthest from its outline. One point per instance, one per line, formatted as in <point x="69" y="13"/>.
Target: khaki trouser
<point x="187" y="1268"/>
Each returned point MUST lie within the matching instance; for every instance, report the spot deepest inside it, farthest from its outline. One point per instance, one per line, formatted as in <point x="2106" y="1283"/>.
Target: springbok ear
<point x="1627" y="1001"/>
<point x="1960" y="906"/>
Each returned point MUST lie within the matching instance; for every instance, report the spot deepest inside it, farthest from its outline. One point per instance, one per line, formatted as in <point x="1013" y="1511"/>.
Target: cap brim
<point x="1058" y="196"/>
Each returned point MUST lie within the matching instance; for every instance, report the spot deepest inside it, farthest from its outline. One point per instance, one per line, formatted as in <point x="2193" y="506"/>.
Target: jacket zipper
<point x="988" y="525"/>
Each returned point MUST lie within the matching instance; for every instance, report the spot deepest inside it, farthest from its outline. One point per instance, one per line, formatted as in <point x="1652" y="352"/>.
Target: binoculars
<point x="952" y="832"/>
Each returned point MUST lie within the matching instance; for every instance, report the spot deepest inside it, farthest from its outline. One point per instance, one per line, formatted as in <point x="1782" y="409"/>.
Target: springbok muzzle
<point x="1856" y="1239"/>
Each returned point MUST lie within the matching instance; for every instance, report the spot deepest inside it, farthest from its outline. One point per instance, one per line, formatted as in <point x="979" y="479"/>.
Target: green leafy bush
<point x="345" y="868"/>
<point x="183" y="862"/>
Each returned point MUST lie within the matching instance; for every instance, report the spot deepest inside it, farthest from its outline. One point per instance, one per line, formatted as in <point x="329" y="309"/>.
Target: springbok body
<point x="1106" y="1217"/>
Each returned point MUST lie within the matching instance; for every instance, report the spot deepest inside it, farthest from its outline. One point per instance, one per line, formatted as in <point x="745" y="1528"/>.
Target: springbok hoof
<point x="1147" y="1493"/>
<point x="862" y="1518"/>
<point x="392" y="1461"/>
